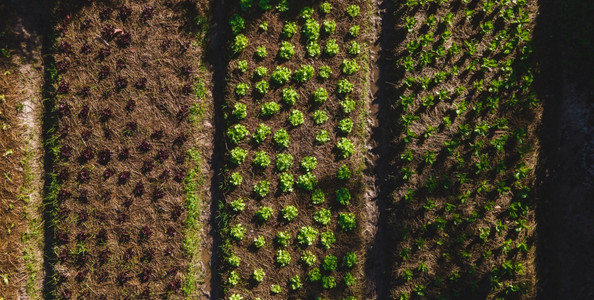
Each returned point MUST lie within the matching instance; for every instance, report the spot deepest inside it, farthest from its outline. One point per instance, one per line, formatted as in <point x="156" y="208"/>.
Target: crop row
<point x="126" y="166"/>
<point x="466" y="115"/>
<point x="292" y="170"/>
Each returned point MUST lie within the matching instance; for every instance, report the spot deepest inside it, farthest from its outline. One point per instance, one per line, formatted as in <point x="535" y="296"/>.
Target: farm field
<point x="283" y="149"/>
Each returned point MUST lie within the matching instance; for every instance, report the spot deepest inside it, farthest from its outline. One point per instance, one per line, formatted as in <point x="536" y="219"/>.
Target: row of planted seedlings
<point x="127" y="95"/>
<point x="292" y="174"/>
<point x="464" y="211"/>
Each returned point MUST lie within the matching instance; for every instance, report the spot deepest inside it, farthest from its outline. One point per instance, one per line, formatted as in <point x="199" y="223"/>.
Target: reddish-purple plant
<point x="125" y="12"/>
<point x="65" y="152"/>
<point x="176" y="212"/>
<point x="83" y="196"/>
<point x="128" y="254"/>
<point x="108" y="173"/>
<point x="87" y="154"/>
<point x="104" y="156"/>
<point x="145" y="275"/>
<point x="147" y="166"/>
<point x="186" y="70"/>
<point x="106" y="114"/>
<point x="85" y="49"/>
<point x="106" y="196"/>
<point x="62" y="237"/>
<point x="62" y="67"/>
<point x="123" y="277"/>
<point x="63" y="194"/>
<point x="63" y="255"/>
<point x="101" y="236"/>
<point x="124" y="177"/>
<point x="104" y="72"/>
<point x="139" y="189"/>
<point x="108" y="32"/>
<point x="84" y="113"/>
<point x="124" y="236"/>
<point x="141" y="83"/>
<point x="85" y="134"/>
<point x="85" y="24"/>
<point x="162" y="155"/>
<point x="164" y="174"/>
<point x="83" y="216"/>
<point x="147" y="13"/>
<point x="63" y="213"/>
<point x="63" y="109"/>
<point x="103" y="256"/>
<point x="124" y="39"/>
<point x="158" y="134"/>
<point x="130" y="105"/>
<point x="63" y="174"/>
<point x="124" y="154"/>
<point x="180" y="174"/>
<point x="104" y="53"/>
<point x="121" y="83"/>
<point x="174" y="285"/>
<point x="105" y="14"/>
<point x="145" y="233"/>
<point x="158" y="193"/>
<point x="82" y="237"/>
<point x="84" y="175"/>
<point x="148" y="254"/>
<point x="65" y="47"/>
<point x="120" y="64"/>
<point x="128" y="202"/>
<point x="171" y="231"/>
<point x="186" y="89"/>
<point x="144" y="146"/>
<point x="63" y="88"/>
<point x="82" y="275"/>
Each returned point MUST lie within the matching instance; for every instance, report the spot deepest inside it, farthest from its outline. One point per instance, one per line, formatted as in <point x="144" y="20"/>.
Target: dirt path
<point x="376" y="268"/>
<point x="25" y="46"/>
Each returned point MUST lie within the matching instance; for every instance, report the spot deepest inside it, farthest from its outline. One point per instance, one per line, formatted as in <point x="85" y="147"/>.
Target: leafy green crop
<point x="237" y="155"/>
<point x="323" y="216"/>
<point x="239" y="43"/>
<point x="262" y="131"/>
<point x="318" y="197"/>
<point x="286" y="182"/>
<point x="331" y="48"/>
<point x="347" y="221"/>
<point x="236" y="133"/>
<point x="281" y="138"/>
<point x="296" y="118"/>
<point x="261" y="159"/>
<point x="307" y="236"/>
<point x="281" y="75"/>
<point x="286" y="51"/>
<point x="289" y="212"/>
<point x="262" y="188"/>
<point x="284" y="161"/>
<point x="290" y="96"/>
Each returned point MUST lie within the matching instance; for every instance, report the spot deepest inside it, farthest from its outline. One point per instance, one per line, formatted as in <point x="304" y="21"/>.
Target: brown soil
<point x="302" y="144"/>
<point x="129" y="214"/>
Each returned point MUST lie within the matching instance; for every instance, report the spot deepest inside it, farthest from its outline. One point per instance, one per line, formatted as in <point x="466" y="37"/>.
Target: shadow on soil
<point x="564" y="43"/>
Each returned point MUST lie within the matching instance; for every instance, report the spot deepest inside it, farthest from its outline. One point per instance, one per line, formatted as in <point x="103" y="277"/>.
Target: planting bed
<point x="464" y="121"/>
<point x="11" y="152"/>
<point x="295" y="89"/>
<point x="129" y="101"/>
